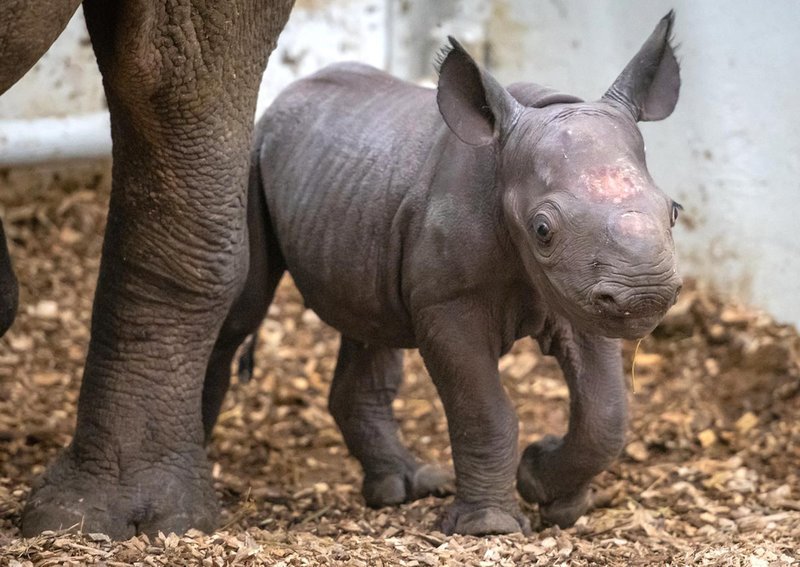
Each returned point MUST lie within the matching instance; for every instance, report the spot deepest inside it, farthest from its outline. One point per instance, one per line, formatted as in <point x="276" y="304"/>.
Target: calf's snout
<point x="620" y="300"/>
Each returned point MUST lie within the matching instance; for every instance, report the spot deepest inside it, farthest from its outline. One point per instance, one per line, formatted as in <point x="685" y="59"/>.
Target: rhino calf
<point x="456" y="221"/>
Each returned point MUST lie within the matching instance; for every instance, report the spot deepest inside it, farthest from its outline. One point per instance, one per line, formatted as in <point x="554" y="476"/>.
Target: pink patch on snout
<point x="635" y="224"/>
<point x="613" y="183"/>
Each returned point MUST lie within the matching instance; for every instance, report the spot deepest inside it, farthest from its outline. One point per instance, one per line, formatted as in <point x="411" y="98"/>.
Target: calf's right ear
<point x="473" y="104"/>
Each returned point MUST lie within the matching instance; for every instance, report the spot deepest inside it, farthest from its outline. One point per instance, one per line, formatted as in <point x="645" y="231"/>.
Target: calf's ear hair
<point x="473" y="104"/>
<point x="649" y="84"/>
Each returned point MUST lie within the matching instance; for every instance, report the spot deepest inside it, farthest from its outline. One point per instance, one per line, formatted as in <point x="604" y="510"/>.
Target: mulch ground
<point x="710" y="475"/>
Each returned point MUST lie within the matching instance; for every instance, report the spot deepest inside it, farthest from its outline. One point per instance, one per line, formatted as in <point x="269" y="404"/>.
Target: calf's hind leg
<point x="364" y="384"/>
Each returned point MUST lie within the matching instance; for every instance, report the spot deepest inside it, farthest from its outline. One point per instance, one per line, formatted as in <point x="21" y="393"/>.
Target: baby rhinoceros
<point x="457" y="221"/>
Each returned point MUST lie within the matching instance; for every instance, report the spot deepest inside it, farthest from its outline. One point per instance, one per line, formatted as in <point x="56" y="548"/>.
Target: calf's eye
<point x="543" y="231"/>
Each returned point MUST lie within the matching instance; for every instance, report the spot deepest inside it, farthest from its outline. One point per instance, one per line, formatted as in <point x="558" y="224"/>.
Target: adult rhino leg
<point x="27" y="29"/>
<point x="9" y="289"/>
<point x="364" y="384"/>
<point x="181" y="79"/>
<point x="248" y="310"/>
<point x="555" y="472"/>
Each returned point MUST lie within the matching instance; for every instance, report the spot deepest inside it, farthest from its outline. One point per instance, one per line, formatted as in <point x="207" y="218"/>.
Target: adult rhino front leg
<point x="27" y="29"/>
<point x="181" y="79"/>
<point x="9" y="289"/>
<point x="555" y="472"/>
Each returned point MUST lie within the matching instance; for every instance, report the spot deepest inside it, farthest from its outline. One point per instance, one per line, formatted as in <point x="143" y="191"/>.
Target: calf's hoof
<point x="531" y="462"/>
<point x="476" y="519"/>
<point x="411" y="484"/>
<point x="565" y="511"/>
<point x="555" y="507"/>
<point x="149" y="499"/>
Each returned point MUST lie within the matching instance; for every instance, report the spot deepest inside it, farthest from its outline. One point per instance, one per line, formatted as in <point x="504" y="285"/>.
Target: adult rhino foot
<point x="412" y="483"/>
<point x="477" y="519"/>
<point x="562" y="510"/>
<point x="146" y="498"/>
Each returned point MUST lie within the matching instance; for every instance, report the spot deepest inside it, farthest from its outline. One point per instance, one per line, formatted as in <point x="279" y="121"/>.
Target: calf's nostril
<point x="605" y="300"/>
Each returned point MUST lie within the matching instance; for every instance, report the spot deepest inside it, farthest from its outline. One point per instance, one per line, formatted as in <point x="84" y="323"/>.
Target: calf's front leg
<point x="461" y="355"/>
<point x="555" y="472"/>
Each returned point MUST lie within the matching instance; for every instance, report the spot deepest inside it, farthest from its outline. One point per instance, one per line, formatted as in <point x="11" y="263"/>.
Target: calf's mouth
<point x="629" y="311"/>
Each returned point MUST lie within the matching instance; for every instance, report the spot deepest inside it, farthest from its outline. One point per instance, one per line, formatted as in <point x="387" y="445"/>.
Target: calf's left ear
<point x="473" y="104"/>
<point x="649" y="84"/>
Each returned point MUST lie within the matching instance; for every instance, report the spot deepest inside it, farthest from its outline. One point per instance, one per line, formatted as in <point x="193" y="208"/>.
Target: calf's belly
<point x="353" y="312"/>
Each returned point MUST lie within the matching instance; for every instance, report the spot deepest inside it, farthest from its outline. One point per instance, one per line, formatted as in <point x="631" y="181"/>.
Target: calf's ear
<point x="473" y="104"/>
<point x="649" y="84"/>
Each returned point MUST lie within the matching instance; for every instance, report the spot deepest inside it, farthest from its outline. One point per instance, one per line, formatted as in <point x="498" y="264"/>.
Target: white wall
<point x="320" y="32"/>
<point x="730" y="153"/>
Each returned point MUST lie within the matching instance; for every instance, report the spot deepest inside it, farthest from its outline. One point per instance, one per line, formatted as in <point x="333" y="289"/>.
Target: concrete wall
<point x="730" y="153"/>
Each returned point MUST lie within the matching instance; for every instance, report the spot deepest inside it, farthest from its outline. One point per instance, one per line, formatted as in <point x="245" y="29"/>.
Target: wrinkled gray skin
<point x="181" y="79"/>
<point x="456" y="222"/>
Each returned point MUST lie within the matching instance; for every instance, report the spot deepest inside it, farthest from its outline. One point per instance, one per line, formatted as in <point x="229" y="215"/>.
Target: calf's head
<point x="591" y="227"/>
